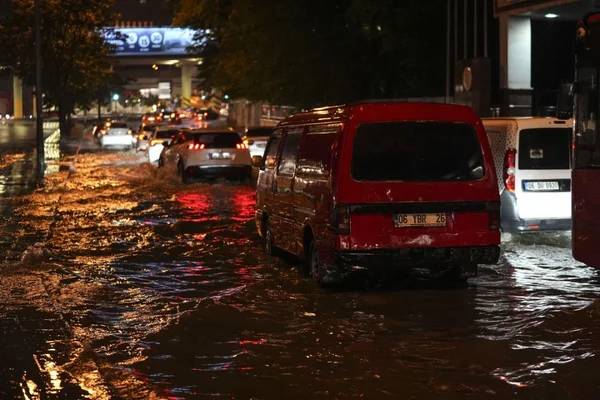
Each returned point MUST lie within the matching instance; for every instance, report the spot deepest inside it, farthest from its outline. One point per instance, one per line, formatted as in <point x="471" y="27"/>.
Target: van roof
<point x="529" y="122"/>
<point x="342" y="112"/>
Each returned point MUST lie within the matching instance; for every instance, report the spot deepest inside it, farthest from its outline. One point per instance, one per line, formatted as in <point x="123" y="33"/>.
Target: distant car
<point x="118" y="135"/>
<point x="151" y="118"/>
<point x="170" y="116"/>
<point x="161" y="136"/>
<point x="98" y="130"/>
<point x="143" y="136"/>
<point x="256" y="139"/>
<point x="208" y="153"/>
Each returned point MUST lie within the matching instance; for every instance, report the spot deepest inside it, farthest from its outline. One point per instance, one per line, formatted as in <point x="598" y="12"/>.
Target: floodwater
<point x="116" y="282"/>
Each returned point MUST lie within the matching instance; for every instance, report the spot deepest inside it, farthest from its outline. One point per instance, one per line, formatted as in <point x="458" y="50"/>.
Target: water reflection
<point x="163" y="291"/>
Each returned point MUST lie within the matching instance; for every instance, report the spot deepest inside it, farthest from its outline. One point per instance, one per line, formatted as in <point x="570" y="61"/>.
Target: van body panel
<point x="525" y="209"/>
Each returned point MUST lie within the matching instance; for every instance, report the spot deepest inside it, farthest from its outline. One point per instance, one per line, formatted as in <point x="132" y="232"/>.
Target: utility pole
<point x="39" y="121"/>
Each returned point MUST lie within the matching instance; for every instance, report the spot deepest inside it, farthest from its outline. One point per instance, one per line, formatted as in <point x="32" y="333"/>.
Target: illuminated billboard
<point x="151" y="41"/>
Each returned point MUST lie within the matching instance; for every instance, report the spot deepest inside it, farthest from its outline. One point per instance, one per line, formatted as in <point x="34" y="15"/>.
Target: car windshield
<point x="217" y="139"/>
<point x="259" y="132"/>
<point x="545" y="148"/>
<point x="166" y="134"/>
<point x="416" y="151"/>
<point x="118" y="125"/>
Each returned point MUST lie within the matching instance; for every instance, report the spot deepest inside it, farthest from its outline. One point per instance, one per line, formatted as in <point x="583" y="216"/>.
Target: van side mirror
<point x="564" y="106"/>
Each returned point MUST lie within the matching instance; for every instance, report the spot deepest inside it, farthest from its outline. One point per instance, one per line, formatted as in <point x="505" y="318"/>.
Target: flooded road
<point x="116" y="282"/>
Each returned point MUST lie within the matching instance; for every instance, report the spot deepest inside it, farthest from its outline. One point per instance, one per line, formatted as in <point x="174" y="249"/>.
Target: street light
<point x="115" y="99"/>
<point x="39" y="124"/>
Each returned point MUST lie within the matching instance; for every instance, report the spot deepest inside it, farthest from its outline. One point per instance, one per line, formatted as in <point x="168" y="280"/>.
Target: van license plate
<point x="542" y="186"/>
<point x="408" y="220"/>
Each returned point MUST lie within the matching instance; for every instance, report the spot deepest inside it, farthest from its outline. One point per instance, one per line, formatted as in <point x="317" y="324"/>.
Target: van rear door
<point x="420" y="183"/>
<point x="543" y="174"/>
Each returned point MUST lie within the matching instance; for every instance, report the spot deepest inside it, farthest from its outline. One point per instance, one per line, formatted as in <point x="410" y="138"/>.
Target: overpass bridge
<point x="152" y="60"/>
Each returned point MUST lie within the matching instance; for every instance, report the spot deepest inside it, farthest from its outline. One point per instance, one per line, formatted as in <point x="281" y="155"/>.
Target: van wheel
<point x="460" y="274"/>
<point x="181" y="172"/>
<point x="269" y="246"/>
<point x="314" y="263"/>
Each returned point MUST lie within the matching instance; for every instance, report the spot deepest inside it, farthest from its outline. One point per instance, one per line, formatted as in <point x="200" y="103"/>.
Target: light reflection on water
<point x="167" y="293"/>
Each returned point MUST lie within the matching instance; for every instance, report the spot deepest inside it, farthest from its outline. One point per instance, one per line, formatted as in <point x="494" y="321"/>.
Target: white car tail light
<point x="509" y="169"/>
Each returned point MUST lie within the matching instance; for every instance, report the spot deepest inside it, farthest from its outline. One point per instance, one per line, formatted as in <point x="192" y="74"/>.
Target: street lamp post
<point x="39" y="122"/>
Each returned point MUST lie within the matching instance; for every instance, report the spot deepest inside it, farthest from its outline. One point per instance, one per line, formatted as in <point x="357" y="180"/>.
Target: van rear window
<point x="545" y="148"/>
<point x="417" y="151"/>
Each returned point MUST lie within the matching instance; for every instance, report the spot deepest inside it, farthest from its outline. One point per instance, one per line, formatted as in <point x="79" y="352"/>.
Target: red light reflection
<point x="197" y="206"/>
<point x="244" y="202"/>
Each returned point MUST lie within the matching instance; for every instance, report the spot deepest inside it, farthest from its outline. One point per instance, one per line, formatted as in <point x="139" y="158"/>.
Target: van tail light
<point x="509" y="169"/>
<point x="241" y="146"/>
<point x="196" y="146"/>
<point x="341" y="219"/>
<point x="494" y="216"/>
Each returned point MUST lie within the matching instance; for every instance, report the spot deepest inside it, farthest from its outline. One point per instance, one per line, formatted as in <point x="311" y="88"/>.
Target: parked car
<point x="256" y="139"/>
<point x="208" y="153"/>
<point x="161" y="136"/>
<point x="532" y="157"/>
<point x="399" y="186"/>
<point x="118" y="135"/>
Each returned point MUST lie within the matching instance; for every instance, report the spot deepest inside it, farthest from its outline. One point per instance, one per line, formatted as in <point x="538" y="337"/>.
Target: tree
<point x="75" y="60"/>
<point x="318" y="52"/>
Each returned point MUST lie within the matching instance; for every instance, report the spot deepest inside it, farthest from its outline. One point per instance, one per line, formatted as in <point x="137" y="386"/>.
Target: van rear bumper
<point x="416" y="258"/>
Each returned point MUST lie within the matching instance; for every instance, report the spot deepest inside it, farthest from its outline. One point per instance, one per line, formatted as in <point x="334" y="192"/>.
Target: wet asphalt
<point x="118" y="282"/>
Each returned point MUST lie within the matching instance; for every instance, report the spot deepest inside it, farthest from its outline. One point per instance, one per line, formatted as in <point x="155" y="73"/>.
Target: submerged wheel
<point x="268" y="242"/>
<point x="183" y="176"/>
<point x="314" y="263"/>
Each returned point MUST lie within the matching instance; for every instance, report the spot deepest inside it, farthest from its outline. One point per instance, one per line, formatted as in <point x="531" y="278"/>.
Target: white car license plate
<point x="220" y="156"/>
<point x="408" y="220"/>
<point x="541" y="186"/>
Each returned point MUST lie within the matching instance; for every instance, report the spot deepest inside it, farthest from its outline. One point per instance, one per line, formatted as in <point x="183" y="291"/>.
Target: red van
<point x="401" y="186"/>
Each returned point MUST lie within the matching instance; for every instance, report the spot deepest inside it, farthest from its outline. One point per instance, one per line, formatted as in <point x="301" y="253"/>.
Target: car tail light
<point x="509" y="169"/>
<point x="494" y="216"/>
<point x="241" y="146"/>
<point x="196" y="146"/>
<point x="341" y="219"/>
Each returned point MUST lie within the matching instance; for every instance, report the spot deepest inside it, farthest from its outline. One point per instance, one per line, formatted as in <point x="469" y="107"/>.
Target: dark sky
<point x="158" y="11"/>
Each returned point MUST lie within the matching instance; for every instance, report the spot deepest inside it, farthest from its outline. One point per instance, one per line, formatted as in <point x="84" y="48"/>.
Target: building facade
<point x="510" y="57"/>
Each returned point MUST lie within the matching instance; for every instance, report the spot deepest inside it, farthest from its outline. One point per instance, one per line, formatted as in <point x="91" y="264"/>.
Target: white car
<point x="160" y="136"/>
<point x="256" y="139"/>
<point x="144" y="134"/>
<point x="208" y="153"/>
<point x="533" y="163"/>
<point x="118" y="135"/>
